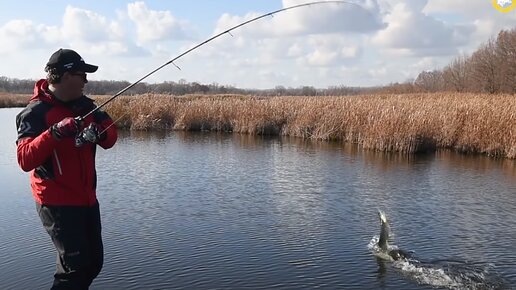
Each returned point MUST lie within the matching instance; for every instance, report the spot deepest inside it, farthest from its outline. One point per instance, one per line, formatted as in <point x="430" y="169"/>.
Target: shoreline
<point x="409" y="123"/>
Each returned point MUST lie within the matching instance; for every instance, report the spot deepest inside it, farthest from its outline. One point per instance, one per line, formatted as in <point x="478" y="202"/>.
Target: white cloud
<point x="88" y="26"/>
<point x="319" y="35"/>
<point x="154" y="25"/>
<point x="295" y="50"/>
<point x="467" y="8"/>
<point x="295" y="47"/>
<point x="485" y="20"/>
<point x="330" y="51"/>
<point x="412" y="32"/>
<point x="315" y="19"/>
<point x="18" y="34"/>
<point x="330" y="18"/>
<point x="89" y="31"/>
<point x="426" y="63"/>
<point x="322" y="58"/>
<point x="378" y="72"/>
<point x="350" y="51"/>
<point x="81" y="29"/>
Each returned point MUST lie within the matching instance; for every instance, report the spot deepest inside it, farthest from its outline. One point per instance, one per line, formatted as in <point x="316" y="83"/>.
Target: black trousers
<point x="76" y="234"/>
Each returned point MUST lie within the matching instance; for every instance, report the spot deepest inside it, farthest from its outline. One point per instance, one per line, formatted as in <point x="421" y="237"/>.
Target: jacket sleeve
<point x="111" y="135"/>
<point x="33" y="152"/>
<point x="35" y="142"/>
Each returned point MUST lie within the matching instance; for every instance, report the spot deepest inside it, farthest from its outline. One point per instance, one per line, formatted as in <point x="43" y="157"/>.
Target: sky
<point x="356" y="43"/>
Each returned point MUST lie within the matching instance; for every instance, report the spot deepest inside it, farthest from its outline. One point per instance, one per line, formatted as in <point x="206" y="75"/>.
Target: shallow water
<point x="221" y="211"/>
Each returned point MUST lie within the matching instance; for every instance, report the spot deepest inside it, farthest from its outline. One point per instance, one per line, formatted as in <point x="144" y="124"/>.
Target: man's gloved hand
<point x="91" y="133"/>
<point x="68" y="127"/>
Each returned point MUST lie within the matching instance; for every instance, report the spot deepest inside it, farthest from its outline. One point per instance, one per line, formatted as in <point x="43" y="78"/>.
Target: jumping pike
<point x="383" y="242"/>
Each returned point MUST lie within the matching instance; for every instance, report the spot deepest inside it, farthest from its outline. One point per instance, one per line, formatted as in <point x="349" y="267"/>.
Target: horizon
<point x="181" y="81"/>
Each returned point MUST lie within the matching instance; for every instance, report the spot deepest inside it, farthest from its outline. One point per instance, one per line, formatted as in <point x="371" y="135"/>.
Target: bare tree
<point x="506" y="53"/>
<point x="430" y="81"/>
<point x="485" y="71"/>
<point x="455" y="74"/>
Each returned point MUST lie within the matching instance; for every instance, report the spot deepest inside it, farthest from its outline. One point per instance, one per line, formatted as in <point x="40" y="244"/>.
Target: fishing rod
<point x="83" y="136"/>
<point x="79" y="119"/>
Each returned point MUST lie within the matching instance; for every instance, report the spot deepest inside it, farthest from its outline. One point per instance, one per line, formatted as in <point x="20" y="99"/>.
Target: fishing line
<point x="228" y="31"/>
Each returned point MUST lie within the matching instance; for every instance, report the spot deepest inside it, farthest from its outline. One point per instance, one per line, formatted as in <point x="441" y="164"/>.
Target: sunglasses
<point x="81" y="74"/>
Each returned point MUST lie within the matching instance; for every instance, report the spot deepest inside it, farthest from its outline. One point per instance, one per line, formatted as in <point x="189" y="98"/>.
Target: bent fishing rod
<point x="203" y="43"/>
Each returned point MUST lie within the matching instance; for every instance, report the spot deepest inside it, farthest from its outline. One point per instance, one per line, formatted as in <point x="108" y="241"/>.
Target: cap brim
<point x="89" y="68"/>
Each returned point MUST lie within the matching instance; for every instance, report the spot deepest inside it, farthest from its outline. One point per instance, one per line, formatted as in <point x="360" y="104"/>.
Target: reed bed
<point x="8" y="100"/>
<point x="468" y="123"/>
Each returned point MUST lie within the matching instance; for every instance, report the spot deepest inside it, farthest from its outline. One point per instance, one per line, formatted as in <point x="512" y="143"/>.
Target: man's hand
<point x="91" y="133"/>
<point x="68" y="127"/>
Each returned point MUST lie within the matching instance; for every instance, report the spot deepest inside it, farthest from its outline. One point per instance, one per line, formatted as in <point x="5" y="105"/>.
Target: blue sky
<point x="373" y="43"/>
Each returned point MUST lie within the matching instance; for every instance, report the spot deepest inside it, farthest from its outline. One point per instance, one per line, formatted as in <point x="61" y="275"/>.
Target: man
<point x="59" y="150"/>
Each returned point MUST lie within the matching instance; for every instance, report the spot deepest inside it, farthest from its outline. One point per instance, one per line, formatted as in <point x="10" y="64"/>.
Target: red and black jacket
<point x="61" y="173"/>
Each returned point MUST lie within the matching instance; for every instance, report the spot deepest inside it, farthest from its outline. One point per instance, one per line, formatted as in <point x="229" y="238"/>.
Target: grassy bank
<point x="468" y="123"/>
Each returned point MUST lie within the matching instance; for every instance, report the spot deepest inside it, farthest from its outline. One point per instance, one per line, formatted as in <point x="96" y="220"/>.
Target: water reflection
<point x="229" y="211"/>
<point x="481" y="164"/>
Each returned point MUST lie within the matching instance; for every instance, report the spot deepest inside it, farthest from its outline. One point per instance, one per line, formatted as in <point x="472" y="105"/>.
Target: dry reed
<point x="469" y="123"/>
<point x="8" y="100"/>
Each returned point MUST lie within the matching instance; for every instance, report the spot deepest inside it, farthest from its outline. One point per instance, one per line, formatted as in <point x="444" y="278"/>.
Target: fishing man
<point x="58" y="147"/>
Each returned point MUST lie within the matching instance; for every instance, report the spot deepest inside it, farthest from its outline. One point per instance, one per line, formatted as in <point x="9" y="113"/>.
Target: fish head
<point x="383" y="217"/>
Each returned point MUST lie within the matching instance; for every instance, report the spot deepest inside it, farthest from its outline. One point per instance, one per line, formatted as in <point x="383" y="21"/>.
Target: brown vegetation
<point x="469" y="123"/>
<point x="8" y="100"/>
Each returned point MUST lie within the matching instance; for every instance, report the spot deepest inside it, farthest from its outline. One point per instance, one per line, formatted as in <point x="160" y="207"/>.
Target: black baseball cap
<point x="69" y="60"/>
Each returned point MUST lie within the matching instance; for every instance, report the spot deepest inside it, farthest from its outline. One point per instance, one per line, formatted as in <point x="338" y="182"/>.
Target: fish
<point x="383" y="241"/>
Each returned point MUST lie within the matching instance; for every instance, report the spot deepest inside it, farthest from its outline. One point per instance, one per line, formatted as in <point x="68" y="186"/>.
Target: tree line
<point x="490" y="69"/>
<point x="181" y="87"/>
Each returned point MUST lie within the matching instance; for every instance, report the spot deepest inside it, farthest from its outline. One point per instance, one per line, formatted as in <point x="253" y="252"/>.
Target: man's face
<point x="72" y="85"/>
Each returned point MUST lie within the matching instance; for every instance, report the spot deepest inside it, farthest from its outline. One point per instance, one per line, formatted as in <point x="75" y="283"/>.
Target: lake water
<point x="227" y="211"/>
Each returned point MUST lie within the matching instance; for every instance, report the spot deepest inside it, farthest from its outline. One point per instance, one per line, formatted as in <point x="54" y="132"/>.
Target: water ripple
<point x="201" y="211"/>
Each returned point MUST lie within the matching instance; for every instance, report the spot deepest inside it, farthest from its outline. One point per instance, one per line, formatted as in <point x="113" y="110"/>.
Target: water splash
<point x="377" y="251"/>
<point x="426" y="274"/>
<point x="451" y="274"/>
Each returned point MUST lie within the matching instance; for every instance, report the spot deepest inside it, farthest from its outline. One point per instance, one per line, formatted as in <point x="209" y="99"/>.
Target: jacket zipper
<point x="58" y="163"/>
<point x="84" y="172"/>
